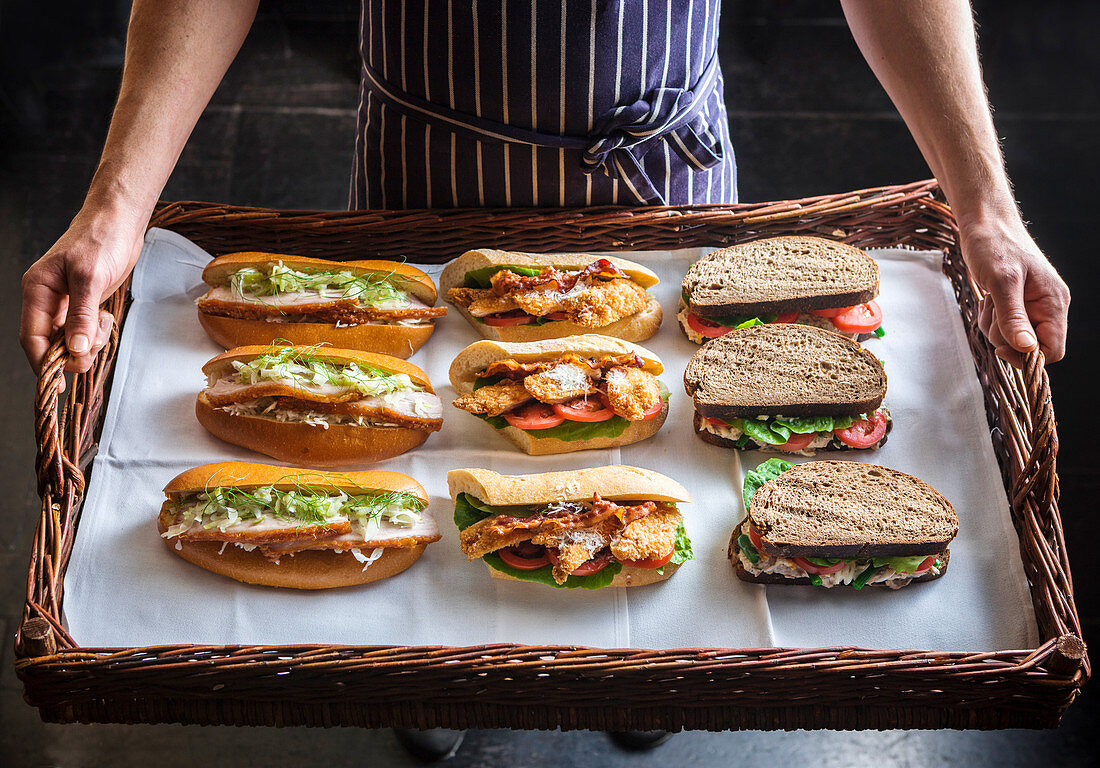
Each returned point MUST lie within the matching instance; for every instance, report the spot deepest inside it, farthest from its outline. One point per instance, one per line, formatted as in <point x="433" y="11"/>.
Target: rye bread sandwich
<point x="372" y="306"/>
<point x="562" y="395"/>
<point x="839" y="523"/>
<point x="610" y="526"/>
<point x="807" y="280"/>
<point x="526" y="297"/>
<point x="296" y="528"/>
<point x="790" y="388"/>
<point x="316" y="405"/>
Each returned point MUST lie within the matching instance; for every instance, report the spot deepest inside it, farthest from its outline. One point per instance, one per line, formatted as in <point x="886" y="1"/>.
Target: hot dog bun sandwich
<point x="296" y="528"/>
<point x="602" y="527"/>
<point x="316" y="405"/>
<point x="524" y="297"/>
<point x="373" y="306"/>
<point x="791" y="388"/>
<point x="808" y="280"/>
<point x="835" y="523"/>
<point x="563" y="395"/>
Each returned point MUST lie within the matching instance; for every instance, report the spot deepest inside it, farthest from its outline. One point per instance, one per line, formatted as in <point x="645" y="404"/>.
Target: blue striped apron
<point x="467" y="103"/>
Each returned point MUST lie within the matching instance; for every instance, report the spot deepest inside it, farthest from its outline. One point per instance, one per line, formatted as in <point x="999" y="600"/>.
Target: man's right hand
<point x="66" y="286"/>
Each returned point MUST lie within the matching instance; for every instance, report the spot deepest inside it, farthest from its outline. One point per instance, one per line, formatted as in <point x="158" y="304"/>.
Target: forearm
<point x="176" y="54"/>
<point x="925" y="55"/>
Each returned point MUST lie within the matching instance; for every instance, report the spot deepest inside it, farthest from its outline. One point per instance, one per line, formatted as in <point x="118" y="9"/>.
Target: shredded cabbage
<point x="277" y="278"/>
<point x="297" y="368"/>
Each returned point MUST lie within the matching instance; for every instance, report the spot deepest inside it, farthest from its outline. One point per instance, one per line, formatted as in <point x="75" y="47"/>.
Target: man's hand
<point x="1026" y="299"/>
<point x="65" y="287"/>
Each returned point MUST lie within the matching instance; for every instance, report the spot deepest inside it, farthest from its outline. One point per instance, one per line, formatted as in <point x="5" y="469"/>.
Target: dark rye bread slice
<point x="725" y="442"/>
<point x="777" y="578"/>
<point x="848" y="509"/>
<point x="780" y="274"/>
<point x="784" y="370"/>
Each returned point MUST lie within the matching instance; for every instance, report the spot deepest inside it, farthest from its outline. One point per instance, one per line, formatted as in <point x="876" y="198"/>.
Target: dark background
<point x="807" y="117"/>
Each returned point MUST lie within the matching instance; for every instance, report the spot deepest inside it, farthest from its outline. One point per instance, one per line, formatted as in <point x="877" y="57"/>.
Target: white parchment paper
<point x="125" y="588"/>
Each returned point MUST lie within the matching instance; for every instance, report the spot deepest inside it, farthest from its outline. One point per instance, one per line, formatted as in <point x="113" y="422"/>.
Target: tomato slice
<point x="926" y="563"/>
<point x="715" y="422"/>
<point x="820" y="570"/>
<point x="786" y="317"/>
<point x="651" y="562"/>
<point x="534" y="415"/>
<point x="865" y="432"/>
<point x="862" y="318"/>
<point x="515" y="317"/>
<point x="831" y="311"/>
<point x="525" y="556"/>
<point x="757" y="542"/>
<point x="595" y="565"/>
<point x="705" y="327"/>
<point x="797" y="441"/>
<point x="656" y="409"/>
<point x="584" y="409"/>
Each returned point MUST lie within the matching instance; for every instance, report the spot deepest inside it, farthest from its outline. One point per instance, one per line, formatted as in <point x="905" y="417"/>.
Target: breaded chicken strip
<point x="651" y="536"/>
<point x="494" y="399"/>
<point x="558" y="383"/>
<point x="591" y="306"/>
<point x="631" y="391"/>
<point x="480" y="302"/>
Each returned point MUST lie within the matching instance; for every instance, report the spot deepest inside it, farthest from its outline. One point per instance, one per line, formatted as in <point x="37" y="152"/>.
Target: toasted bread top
<point x="243" y="474"/>
<point x="613" y="482"/>
<point x="780" y="274"/>
<point x="849" y="509"/>
<point x="784" y="370"/>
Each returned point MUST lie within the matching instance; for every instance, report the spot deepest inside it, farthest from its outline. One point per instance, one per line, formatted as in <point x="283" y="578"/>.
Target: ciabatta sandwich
<point x="296" y="528"/>
<point x="791" y="388"/>
<point x="316" y="405"/>
<point x="524" y="297"/>
<point x="372" y="306"/>
<point x="563" y="395"/>
<point x="839" y="523"/>
<point x="807" y="280"/>
<point x="600" y="527"/>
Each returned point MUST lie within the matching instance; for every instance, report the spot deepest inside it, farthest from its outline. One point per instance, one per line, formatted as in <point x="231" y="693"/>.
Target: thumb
<point x="82" y="318"/>
<point x="1011" y="316"/>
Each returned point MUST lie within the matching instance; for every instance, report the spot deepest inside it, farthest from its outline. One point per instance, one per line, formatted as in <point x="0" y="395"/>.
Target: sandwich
<point x="600" y="527"/>
<point x="791" y="388"/>
<point x="318" y="406"/>
<point x="836" y="523"/>
<point x="296" y="528"/>
<point x="523" y="297"/>
<point x="562" y="395"/>
<point x="373" y="306"/>
<point x="807" y="280"/>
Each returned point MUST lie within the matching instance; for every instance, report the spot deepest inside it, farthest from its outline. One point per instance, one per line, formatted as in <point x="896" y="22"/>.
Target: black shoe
<point x="430" y="746"/>
<point x="639" y="741"/>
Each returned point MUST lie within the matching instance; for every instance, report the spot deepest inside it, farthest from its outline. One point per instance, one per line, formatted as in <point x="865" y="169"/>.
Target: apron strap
<point x="619" y="140"/>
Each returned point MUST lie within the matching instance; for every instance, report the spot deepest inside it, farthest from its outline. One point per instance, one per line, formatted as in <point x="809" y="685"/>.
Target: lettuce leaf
<point x="755" y="478"/>
<point x="776" y="431"/>
<point x="682" y="552"/>
<point x="544" y="575"/>
<point x="900" y="564"/>
<point x="479" y="278"/>
<point x="469" y="510"/>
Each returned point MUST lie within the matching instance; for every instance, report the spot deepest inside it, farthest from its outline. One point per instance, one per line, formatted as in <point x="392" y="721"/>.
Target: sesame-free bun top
<point x="403" y="276"/>
<point x="454" y="275"/>
<point x="850" y="509"/>
<point x="612" y="482"/>
<point x="478" y="355"/>
<point x="244" y="475"/>
<point x="784" y="369"/>
<point x="780" y="274"/>
<point x="223" y="363"/>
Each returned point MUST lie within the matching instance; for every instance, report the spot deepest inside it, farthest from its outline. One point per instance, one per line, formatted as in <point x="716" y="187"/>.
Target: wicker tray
<point x="553" y="686"/>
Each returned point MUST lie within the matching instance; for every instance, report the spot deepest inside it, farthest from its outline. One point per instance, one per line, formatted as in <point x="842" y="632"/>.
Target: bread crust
<point x="474" y="358"/>
<point x="308" y="569"/>
<point x="339" y="445"/>
<point x="615" y="483"/>
<point x="399" y="341"/>
<point x="637" y="327"/>
<point x="454" y="274"/>
<point x="718" y="351"/>
<point x="223" y="363"/>
<point x="405" y="276"/>
<point x="723" y="442"/>
<point x="245" y="474"/>
<point x="628" y="576"/>
<point x="806" y="303"/>
<point x="776" y="578"/>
